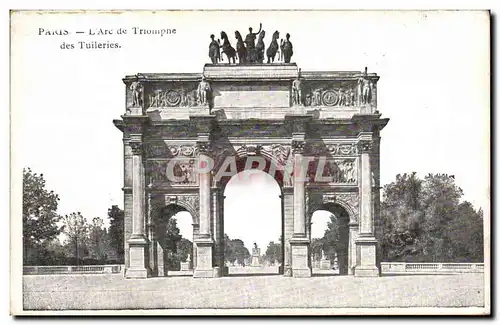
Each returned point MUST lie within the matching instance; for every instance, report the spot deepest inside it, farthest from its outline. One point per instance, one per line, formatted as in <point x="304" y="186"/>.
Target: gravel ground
<point x="84" y="292"/>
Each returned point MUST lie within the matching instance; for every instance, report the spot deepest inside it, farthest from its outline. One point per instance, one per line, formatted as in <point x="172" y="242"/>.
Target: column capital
<point x="365" y="146"/>
<point x="137" y="147"/>
<point x="203" y="146"/>
<point x="298" y="146"/>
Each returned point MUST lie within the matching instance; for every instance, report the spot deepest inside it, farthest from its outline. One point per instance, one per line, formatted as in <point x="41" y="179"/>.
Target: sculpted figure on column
<point x="297" y="91"/>
<point x="204" y="91"/>
<point x="137" y="89"/>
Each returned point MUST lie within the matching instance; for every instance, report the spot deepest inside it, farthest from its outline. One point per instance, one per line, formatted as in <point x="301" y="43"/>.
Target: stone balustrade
<point x="394" y="268"/>
<point x="73" y="269"/>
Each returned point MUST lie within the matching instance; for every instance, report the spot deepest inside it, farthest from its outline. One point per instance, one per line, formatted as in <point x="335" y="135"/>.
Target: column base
<point x="287" y="271"/>
<point x="361" y="271"/>
<point x="300" y="258"/>
<point x="199" y="273"/>
<point x="137" y="273"/>
<point x="204" y="256"/>
<point x="138" y="250"/>
<point x="366" y="255"/>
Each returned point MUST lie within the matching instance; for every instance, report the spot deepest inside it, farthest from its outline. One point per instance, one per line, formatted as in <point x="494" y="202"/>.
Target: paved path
<point x="56" y="292"/>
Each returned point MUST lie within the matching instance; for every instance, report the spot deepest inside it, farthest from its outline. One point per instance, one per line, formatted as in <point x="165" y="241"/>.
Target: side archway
<point x="336" y="242"/>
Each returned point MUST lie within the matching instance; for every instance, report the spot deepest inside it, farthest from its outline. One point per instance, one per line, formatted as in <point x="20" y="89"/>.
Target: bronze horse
<point x="241" y="50"/>
<point x="227" y="48"/>
<point x="273" y="48"/>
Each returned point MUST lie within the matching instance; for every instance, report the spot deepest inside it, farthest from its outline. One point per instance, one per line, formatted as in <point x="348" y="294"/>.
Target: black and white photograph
<point x="250" y="162"/>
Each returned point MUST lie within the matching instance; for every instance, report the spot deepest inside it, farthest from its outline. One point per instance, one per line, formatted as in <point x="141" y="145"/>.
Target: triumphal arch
<point x="316" y="132"/>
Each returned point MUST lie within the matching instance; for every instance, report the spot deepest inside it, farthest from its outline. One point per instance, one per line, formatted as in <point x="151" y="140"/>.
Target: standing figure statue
<point x="250" y="43"/>
<point x="364" y="89"/>
<point x="213" y="50"/>
<point x="297" y="91"/>
<point x="137" y="90"/>
<point x="241" y="50"/>
<point x="227" y="48"/>
<point x="260" y="47"/>
<point x="273" y="47"/>
<point x="287" y="49"/>
<point x="282" y="43"/>
<point x="203" y="92"/>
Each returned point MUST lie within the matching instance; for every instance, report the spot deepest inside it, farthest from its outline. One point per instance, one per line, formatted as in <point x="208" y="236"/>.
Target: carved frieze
<point x="336" y="171"/>
<point x="186" y="95"/>
<point x="280" y="153"/>
<point x="163" y="150"/>
<point x="340" y="93"/>
<point x="178" y="171"/>
<point x="333" y="149"/>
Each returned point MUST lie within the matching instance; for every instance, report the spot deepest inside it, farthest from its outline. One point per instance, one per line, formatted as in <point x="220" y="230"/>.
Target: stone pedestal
<point x="366" y="250"/>
<point x="300" y="258"/>
<point x="186" y="266"/>
<point x="255" y="257"/>
<point x="325" y="264"/>
<point x="138" y="247"/>
<point x="204" y="268"/>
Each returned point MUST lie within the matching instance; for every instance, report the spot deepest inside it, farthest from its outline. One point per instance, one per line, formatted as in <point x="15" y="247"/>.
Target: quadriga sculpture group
<point x="247" y="51"/>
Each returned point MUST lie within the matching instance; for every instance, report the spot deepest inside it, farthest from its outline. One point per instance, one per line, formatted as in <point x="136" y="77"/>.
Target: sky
<point x="434" y="87"/>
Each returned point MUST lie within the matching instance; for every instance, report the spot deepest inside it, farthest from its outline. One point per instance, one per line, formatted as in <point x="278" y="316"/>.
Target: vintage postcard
<point x="250" y="162"/>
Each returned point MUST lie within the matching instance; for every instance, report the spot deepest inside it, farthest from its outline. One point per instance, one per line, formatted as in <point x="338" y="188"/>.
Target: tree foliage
<point x="99" y="241"/>
<point x="423" y="220"/>
<point x="76" y="231"/>
<point x="235" y="251"/>
<point x="40" y="219"/>
<point x="116" y="231"/>
<point x="274" y="252"/>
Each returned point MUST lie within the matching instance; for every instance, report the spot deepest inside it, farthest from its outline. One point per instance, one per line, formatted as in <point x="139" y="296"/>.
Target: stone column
<point x="218" y="232"/>
<point x="353" y="235"/>
<point x="204" y="242"/>
<point x="366" y="243"/>
<point x="196" y="232"/>
<point x="300" y="242"/>
<point x="287" y="201"/>
<point x="138" y="243"/>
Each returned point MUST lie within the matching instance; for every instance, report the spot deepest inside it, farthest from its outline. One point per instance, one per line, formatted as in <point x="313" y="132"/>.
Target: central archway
<point x="253" y="229"/>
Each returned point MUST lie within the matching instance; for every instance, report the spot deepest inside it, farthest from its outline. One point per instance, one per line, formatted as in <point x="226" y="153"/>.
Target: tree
<point x="116" y="231"/>
<point x="423" y="220"/>
<point x="331" y="243"/>
<point x="240" y="251"/>
<point x="169" y="243"/>
<point x="235" y="251"/>
<point x="98" y="242"/>
<point x="39" y="216"/>
<point x="273" y="252"/>
<point x="317" y="247"/>
<point x="184" y="248"/>
<point x="76" y="230"/>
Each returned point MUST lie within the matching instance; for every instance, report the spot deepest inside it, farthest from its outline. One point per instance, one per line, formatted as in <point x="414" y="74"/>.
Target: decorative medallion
<point x="173" y="98"/>
<point x="329" y="98"/>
